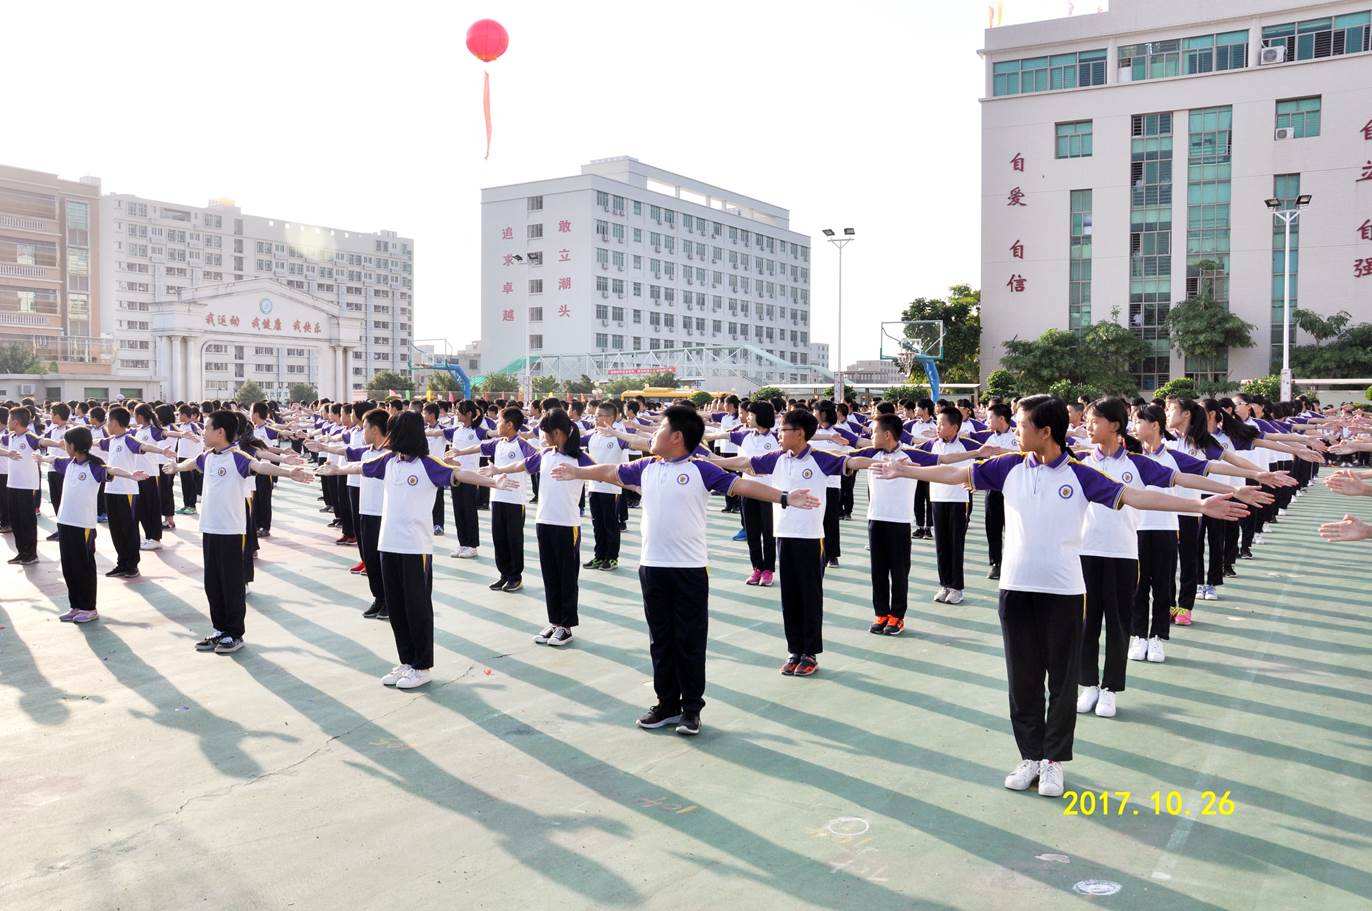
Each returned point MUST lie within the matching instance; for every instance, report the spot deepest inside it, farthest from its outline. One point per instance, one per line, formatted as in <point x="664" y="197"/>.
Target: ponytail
<point x="557" y="419"/>
<point x="1116" y="411"/>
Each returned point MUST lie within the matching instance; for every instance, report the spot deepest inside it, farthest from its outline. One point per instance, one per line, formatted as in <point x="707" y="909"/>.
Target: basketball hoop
<point x="906" y="362"/>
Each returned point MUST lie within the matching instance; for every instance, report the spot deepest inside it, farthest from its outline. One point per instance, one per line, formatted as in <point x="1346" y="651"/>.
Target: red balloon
<point x="487" y="39"/>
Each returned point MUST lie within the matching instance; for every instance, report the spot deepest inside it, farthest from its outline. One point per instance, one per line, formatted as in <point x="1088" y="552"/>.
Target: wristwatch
<point x="785" y="500"/>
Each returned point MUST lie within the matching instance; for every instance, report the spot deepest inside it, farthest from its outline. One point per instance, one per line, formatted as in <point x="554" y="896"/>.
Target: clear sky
<point x="368" y="116"/>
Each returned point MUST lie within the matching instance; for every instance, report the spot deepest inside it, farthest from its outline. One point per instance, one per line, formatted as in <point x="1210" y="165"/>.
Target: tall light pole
<point x="849" y="235"/>
<point x="1287" y="216"/>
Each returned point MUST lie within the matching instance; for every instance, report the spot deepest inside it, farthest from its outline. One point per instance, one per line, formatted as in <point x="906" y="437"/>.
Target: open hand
<point x="168" y="468"/>
<point x="1351" y="528"/>
<point x="141" y="475"/>
<point x="1223" y="508"/>
<point x="803" y="499"/>
<point x="1348" y="485"/>
<point x="561" y="473"/>
<point x="505" y="482"/>
<point x="303" y="475"/>
<point x="1309" y="455"/>
<point x="1253" y="496"/>
<point x="1277" y="479"/>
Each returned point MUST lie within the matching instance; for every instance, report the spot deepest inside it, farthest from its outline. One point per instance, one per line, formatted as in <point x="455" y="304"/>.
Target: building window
<point x="1074" y="139"/>
<point x="535" y="314"/>
<point x="1079" y="263"/>
<point x="1214" y="53"/>
<point x="1209" y="164"/>
<point x="535" y="286"/>
<point x="1316" y="38"/>
<point x="535" y="204"/>
<point x="536" y="342"/>
<point x="535" y="231"/>
<point x="1041" y="74"/>
<point x="1150" y="234"/>
<point x="1285" y="187"/>
<point x="1152" y="60"/>
<point x="1300" y="115"/>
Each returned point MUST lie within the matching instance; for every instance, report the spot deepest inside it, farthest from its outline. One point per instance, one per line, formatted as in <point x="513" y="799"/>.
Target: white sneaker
<point x="1050" y="778"/>
<point x="394" y="675"/>
<point x="941" y="595"/>
<point x="543" y="637"/>
<point x="954" y="596"/>
<point x="560" y="636"/>
<point x="465" y="553"/>
<point x="1281" y="512"/>
<point x="1200" y="591"/>
<point x="1105" y="705"/>
<point x="1086" y="700"/>
<point x="412" y="679"/>
<point x="1023" y="775"/>
<point x="1211" y="594"/>
<point x="1257" y="539"/>
<point x="150" y="545"/>
<point x="1138" y="648"/>
<point x="1155" y="652"/>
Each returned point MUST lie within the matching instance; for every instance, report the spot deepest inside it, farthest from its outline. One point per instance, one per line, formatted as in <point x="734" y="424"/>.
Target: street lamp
<point x="1287" y="216"/>
<point x="849" y="235"/>
<point x="526" y="381"/>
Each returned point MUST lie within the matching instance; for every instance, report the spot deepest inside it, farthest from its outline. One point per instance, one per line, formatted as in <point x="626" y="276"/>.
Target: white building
<point x="629" y="264"/>
<point x="1127" y="155"/>
<point x="161" y="262"/>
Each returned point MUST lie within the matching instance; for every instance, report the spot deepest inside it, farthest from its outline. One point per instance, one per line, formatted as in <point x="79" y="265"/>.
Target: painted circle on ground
<point x="1055" y="858"/>
<point x="1096" y="887"/>
<point x="848" y="826"/>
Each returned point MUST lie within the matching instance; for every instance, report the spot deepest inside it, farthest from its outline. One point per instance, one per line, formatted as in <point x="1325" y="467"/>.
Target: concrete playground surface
<point x="136" y="773"/>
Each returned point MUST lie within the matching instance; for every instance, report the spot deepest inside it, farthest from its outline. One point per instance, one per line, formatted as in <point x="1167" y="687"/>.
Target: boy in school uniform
<point x="1000" y="435"/>
<point x="53" y="436"/>
<point x="223" y="525"/>
<point x="605" y="448"/>
<point x="757" y="440"/>
<point x="950" y="505"/>
<point x="466" y="431"/>
<point x="82" y="475"/>
<point x="797" y="466"/>
<point x="21" y="448"/>
<point x="507" y="504"/>
<point x="672" y="564"/>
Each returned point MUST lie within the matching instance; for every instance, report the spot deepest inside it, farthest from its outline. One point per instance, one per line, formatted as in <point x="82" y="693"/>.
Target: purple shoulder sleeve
<point x="631" y="473"/>
<point x="829" y="463"/>
<point x="1152" y="473"/>
<point x="990" y="474"/>
<point x="1190" y="464"/>
<point x="766" y="463"/>
<point x="1098" y="486"/>
<point x="439" y="475"/>
<point x="715" y="479"/>
<point x="243" y="464"/>
<point x="376" y="468"/>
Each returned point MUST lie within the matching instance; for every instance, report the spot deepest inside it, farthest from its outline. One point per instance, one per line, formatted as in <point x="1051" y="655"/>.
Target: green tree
<point x="768" y="392"/>
<point x="383" y="382"/>
<point x="442" y="382"/>
<point x="1269" y="387"/>
<point x="663" y="379"/>
<point x="1348" y="355"/>
<point x="620" y="384"/>
<point x="1001" y="383"/>
<point x="302" y="392"/>
<point x="248" y="392"/>
<point x="1097" y="360"/>
<point x="961" y="315"/>
<point x="496" y="383"/>
<point x="544" y="386"/>
<point x="1182" y="387"/>
<point x="908" y="392"/>
<point x="18" y="358"/>
<point x="1204" y="330"/>
<point x="583" y="386"/>
<point x="1321" y="328"/>
<point x="701" y="398"/>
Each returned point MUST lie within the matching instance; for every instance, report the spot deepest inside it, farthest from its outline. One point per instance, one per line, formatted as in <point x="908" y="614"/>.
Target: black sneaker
<point x="54" y="536"/>
<point x="227" y="645"/>
<point x="28" y="561"/>
<point x="918" y="533"/>
<point x="595" y="563"/>
<point x="690" y="724"/>
<point x="208" y="643"/>
<point x="833" y="563"/>
<point x="513" y="585"/>
<point x="498" y="584"/>
<point x="878" y="626"/>
<point x="15" y="560"/>
<point x="1245" y="553"/>
<point x="995" y="571"/>
<point x="658" y="717"/>
<point x="383" y="614"/>
<point x="371" y="612"/>
<point x="609" y="565"/>
<point x="560" y="636"/>
<point x="623" y="526"/>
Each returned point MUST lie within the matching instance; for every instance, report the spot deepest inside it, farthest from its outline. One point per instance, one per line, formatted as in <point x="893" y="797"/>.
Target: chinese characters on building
<point x="1016" y="196"/>
<point x="265" y="324"/>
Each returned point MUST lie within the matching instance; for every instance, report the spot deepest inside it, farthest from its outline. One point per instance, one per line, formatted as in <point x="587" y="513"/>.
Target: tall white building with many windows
<point x="629" y="264"/>
<point x="1127" y="157"/>
<point x="347" y="298"/>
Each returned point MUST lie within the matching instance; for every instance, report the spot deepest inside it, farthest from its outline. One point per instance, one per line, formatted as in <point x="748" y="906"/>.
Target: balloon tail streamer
<point x="486" y="107"/>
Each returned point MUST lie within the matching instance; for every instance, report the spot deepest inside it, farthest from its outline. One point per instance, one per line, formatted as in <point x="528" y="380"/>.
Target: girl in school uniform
<point x="410" y="477"/>
<point x="467" y="432"/>
<point x="508" y="502"/>
<point x="224" y="521"/>
<point x="82" y="474"/>
<point x="147" y="431"/>
<point x="1110" y="548"/>
<point x="166" y="418"/>
<point x="20" y="447"/>
<point x="1047" y="494"/>
<point x="605" y="448"/>
<point x="558" y="524"/>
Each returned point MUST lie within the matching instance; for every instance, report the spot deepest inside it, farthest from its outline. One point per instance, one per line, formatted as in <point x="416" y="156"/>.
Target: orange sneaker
<point x="894" y="626"/>
<point x="878" y="626"/>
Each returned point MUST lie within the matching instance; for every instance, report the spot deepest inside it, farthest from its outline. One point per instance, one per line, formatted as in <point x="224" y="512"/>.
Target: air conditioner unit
<point x="1284" y="133"/>
<point x="1274" y="54"/>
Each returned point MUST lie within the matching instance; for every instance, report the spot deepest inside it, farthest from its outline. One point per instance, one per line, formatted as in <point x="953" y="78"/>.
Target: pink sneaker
<point x="766" y="579"/>
<point x="69" y="616"/>
<point x="1183" y="618"/>
<point x="754" y="579"/>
